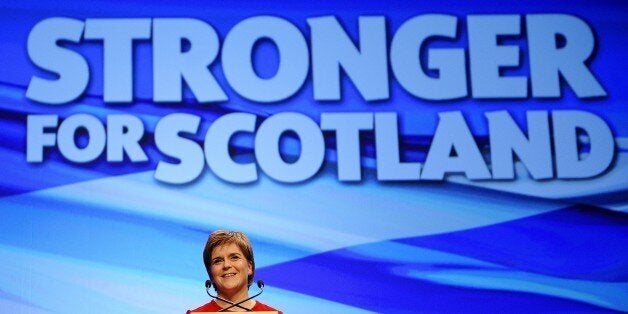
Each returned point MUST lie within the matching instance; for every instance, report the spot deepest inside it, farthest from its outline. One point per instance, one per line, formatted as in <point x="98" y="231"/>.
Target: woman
<point x="228" y="258"/>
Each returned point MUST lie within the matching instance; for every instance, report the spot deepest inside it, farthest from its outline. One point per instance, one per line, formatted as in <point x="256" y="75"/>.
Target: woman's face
<point x="230" y="270"/>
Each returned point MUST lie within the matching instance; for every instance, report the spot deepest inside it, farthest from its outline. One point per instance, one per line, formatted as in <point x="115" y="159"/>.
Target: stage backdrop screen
<point x="382" y="156"/>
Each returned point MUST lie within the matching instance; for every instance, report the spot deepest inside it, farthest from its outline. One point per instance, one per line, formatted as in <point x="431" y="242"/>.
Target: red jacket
<point x="214" y="307"/>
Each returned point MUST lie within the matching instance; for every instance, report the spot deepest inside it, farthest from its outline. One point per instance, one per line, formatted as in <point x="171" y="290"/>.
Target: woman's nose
<point x="226" y="265"/>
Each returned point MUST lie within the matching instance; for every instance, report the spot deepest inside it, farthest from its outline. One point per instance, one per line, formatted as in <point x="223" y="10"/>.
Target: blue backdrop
<point x="109" y="238"/>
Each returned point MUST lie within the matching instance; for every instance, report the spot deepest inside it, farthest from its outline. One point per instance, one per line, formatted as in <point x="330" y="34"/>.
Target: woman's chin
<point x="231" y="288"/>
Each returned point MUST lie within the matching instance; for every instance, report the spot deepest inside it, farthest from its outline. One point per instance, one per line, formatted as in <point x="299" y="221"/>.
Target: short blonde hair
<point x="222" y="237"/>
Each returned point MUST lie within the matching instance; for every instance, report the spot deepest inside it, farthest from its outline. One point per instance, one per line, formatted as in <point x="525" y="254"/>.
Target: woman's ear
<point x="250" y="268"/>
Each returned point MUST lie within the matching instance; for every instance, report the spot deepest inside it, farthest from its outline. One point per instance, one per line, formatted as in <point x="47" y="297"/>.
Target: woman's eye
<point x="217" y="261"/>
